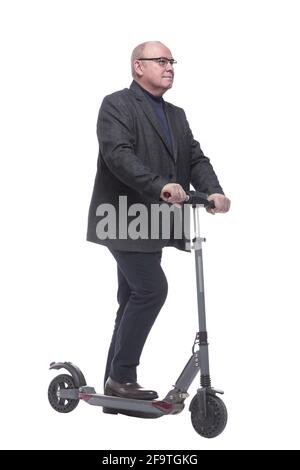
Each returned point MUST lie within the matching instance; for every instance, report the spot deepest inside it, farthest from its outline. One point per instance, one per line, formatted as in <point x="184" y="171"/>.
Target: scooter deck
<point x="156" y="408"/>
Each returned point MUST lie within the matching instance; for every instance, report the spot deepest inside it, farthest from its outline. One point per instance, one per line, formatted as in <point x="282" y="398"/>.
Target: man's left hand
<point x="222" y="203"/>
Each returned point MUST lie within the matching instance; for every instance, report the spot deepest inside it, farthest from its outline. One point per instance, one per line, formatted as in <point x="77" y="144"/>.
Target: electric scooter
<point x="208" y="411"/>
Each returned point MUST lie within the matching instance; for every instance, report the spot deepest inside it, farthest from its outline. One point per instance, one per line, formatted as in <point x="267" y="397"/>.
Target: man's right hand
<point x="173" y="193"/>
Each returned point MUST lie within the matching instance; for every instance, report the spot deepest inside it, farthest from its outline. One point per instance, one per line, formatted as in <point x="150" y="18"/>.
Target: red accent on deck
<point x="163" y="405"/>
<point x="85" y="396"/>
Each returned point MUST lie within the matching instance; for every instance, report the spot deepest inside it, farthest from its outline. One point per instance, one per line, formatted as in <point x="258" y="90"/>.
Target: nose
<point x="169" y="67"/>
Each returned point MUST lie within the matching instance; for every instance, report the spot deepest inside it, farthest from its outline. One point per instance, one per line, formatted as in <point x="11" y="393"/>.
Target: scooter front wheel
<point x="215" y="420"/>
<point x="62" y="405"/>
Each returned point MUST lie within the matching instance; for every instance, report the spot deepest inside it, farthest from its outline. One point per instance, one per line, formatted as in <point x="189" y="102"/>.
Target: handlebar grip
<point x="195" y="197"/>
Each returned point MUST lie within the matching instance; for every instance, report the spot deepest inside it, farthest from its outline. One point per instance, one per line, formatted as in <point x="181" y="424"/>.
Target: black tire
<point x="216" y="417"/>
<point x="62" y="405"/>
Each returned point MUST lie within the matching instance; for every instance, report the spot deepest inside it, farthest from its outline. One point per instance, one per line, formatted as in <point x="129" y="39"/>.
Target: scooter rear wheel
<point x="62" y="405"/>
<point x="215" y="420"/>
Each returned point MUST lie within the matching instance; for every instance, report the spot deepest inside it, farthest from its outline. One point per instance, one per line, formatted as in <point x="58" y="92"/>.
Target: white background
<point x="238" y="79"/>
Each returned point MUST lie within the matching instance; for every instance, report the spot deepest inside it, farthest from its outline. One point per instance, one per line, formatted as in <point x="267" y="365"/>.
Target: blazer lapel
<point x="151" y="116"/>
<point x="172" y="127"/>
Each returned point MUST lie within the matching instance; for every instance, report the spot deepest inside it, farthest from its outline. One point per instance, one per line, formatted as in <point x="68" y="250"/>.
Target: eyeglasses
<point x="162" y="61"/>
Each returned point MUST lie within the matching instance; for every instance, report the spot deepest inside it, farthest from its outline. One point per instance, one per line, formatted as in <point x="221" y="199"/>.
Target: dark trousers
<point x="142" y="291"/>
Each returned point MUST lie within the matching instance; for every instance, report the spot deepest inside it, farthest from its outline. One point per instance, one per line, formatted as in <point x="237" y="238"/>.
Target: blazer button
<point x="171" y="175"/>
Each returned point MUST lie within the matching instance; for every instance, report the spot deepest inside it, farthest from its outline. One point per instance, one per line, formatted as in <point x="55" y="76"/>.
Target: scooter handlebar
<point x="195" y="197"/>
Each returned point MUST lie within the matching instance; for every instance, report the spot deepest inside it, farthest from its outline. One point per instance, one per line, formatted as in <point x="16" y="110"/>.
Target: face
<point x="153" y="76"/>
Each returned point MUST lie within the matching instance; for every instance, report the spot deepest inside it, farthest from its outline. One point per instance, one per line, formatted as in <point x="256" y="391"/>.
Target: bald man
<point x="147" y="156"/>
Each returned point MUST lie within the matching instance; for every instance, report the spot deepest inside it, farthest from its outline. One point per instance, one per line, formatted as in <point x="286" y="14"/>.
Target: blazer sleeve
<point x="116" y="136"/>
<point x="202" y="174"/>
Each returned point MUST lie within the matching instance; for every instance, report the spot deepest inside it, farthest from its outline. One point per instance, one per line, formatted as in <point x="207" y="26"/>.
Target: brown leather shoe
<point x="128" y="390"/>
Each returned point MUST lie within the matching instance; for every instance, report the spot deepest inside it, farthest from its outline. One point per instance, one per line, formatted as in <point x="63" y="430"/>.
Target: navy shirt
<point x="158" y="106"/>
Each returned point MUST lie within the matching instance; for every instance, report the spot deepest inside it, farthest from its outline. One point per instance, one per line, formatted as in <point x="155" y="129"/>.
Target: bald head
<point x="143" y="50"/>
<point x="156" y="76"/>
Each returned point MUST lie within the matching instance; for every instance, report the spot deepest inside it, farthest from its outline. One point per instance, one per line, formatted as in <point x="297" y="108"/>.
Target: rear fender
<point x="76" y="373"/>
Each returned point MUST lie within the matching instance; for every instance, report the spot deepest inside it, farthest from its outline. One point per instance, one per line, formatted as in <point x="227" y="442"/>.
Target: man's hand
<point x="173" y="193"/>
<point x="222" y="203"/>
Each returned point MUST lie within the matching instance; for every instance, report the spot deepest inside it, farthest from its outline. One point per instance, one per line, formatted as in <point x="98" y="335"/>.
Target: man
<point x="147" y="155"/>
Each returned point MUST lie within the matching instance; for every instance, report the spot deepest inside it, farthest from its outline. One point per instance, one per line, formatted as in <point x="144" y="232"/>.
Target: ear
<point x="138" y="67"/>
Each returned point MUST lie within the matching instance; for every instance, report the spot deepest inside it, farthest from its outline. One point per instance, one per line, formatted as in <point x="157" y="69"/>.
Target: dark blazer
<point x="135" y="161"/>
